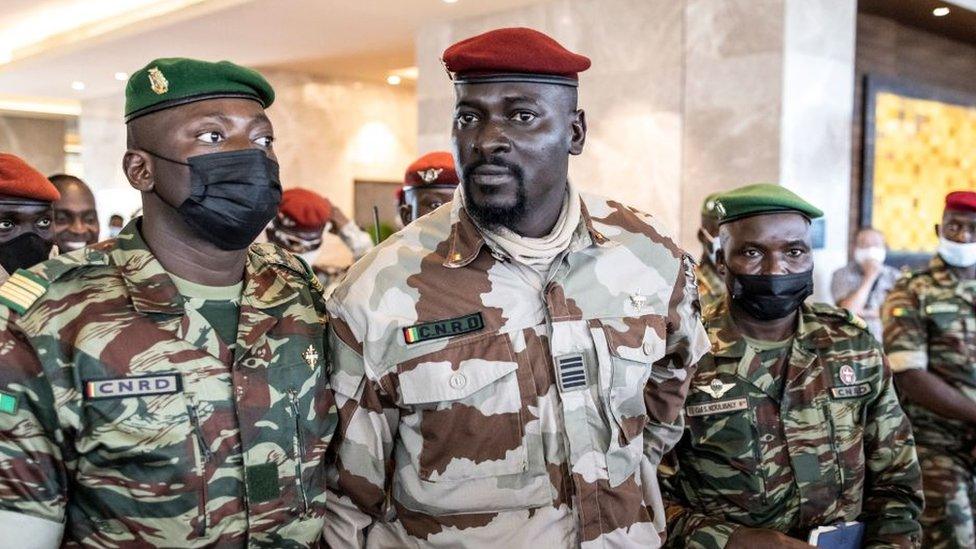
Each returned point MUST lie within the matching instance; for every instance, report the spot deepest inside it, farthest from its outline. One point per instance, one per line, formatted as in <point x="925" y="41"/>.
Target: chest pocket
<point x="626" y="348"/>
<point x="462" y="426"/>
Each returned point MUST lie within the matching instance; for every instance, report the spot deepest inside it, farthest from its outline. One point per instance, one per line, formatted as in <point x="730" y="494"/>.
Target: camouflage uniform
<point x="711" y="287"/>
<point x="930" y="323"/>
<point x="793" y="443"/>
<point x="206" y="446"/>
<point x="494" y="412"/>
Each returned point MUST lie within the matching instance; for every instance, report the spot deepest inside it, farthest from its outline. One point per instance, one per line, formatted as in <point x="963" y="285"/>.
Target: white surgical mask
<point x="114" y="231"/>
<point x="957" y="254"/>
<point x="716" y="246"/>
<point x="874" y="253"/>
<point x="310" y="257"/>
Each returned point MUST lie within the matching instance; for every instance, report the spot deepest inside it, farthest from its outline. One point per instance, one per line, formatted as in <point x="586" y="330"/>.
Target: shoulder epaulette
<point x="21" y="290"/>
<point x="25" y="287"/>
<point x="840" y="313"/>
<point x="277" y="256"/>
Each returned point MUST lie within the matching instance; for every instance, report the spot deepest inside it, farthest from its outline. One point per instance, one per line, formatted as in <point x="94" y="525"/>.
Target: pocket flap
<point x="636" y="339"/>
<point x="438" y="381"/>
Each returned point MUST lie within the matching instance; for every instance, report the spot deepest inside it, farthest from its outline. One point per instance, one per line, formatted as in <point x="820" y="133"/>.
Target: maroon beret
<point x="433" y="168"/>
<point x="961" y="201"/>
<point x="19" y="179"/>
<point x="513" y="55"/>
<point x="305" y="209"/>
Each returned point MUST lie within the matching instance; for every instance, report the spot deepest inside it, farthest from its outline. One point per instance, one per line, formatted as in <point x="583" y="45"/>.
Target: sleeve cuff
<point x="902" y="361"/>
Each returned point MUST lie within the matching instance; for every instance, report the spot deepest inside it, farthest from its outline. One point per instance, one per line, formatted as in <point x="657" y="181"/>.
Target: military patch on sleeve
<point x="899" y="312"/>
<point x="850" y="391"/>
<point x="9" y="403"/>
<point x="134" y="386"/>
<point x="21" y="290"/>
<point x="443" y="328"/>
<point x="941" y="308"/>
<point x="720" y="407"/>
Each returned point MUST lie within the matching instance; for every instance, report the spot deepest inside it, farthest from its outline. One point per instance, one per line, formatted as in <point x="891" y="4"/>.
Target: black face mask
<point x="23" y="252"/>
<point x="233" y="196"/>
<point x="770" y="297"/>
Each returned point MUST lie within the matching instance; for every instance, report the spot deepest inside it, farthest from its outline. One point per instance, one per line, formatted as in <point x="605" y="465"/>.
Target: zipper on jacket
<point x="832" y="437"/>
<point x="203" y="455"/>
<point x="299" y="450"/>
<point x="757" y="453"/>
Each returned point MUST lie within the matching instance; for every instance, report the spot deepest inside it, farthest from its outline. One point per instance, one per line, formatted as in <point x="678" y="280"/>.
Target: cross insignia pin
<point x="311" y="356"/>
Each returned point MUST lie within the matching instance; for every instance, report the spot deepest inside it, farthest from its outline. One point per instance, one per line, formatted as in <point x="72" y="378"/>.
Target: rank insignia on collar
<point x="443" y="328"/>
<point x="430" y="174"/>
<point x="847" y="374"/>
<point x="311" y="356"/>
<point x="157" y="81"/>
<point x="716" y="389"/>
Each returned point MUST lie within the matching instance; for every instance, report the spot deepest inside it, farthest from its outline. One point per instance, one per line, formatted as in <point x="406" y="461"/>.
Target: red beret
<point x="434" y="168"/>
<point x="18" y="179"/>
<point x="308" y="210"/>
<point x="961" y="201"/>
<point x="513" y="55"/>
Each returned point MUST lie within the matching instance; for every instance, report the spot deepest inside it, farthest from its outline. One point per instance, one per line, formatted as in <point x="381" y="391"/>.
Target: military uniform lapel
<point x="264" y="291"/>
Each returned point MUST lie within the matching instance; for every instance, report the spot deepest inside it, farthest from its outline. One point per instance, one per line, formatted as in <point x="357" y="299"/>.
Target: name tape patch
<point x="443" y="328"/>
<point x="720" y="407"/>
<point x="851" y="391"/>
<point x="124" y="387"/>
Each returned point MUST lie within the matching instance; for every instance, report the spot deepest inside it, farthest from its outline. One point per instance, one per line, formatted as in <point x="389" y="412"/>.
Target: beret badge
<point x="157" y="81"/>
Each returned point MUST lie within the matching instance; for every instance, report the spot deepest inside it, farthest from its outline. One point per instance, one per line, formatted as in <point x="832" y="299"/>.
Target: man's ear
<point x="405" y="213"/>
<point x="138" y="167"/>
<point x="720" y="261"/>
<point x="579" y="132"/>
<point x="938" y="230"/>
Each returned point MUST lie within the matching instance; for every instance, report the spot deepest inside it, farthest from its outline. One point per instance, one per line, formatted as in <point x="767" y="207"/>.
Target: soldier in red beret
<point x="303" y="217"/>
<point x="509" y="370"/>
<point x="429" y="182"/>
<point x="928" y="335"/>
<point x="26" y="218"/>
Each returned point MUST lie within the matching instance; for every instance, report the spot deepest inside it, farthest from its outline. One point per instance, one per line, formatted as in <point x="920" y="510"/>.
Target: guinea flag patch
<point x="443" y="328"/>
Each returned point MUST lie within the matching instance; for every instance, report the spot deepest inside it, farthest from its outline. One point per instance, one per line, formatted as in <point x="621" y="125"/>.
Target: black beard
<point x="492" y="217"/>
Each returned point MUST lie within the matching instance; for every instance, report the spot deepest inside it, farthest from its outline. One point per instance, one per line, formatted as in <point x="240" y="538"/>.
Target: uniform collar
<point x="466" y="239"/>
<point x="152" y="289"/>
<point x="727" y="340"/>
<point x="941" y="272"/>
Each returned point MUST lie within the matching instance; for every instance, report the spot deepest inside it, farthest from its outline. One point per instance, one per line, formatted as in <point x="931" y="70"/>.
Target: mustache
<point x="515" y="169"/>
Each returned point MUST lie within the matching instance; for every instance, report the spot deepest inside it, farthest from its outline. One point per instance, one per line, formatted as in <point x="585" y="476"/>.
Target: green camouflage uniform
<point x="794" y="438"/>
<point x="711" y="287"/>
<point x="122" y="415"/>
<point x="930" y="324"/>
<point x="493" y="411"/>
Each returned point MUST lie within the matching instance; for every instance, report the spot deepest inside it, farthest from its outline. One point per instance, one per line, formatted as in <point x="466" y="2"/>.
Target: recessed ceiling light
<point x="941" y="11"/>
<point x="78" y="85"/>
<point x="393" y="80"/>
<point x="121" y="76"/>
<point x="450" y="1"/>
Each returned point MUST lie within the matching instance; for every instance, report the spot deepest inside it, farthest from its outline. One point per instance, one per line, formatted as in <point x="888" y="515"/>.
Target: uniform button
<point x="458" y="381"/>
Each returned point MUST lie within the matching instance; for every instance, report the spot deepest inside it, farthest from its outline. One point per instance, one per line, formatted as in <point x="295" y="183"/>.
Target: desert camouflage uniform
<point x="711" y="287"/>
<point x="930" y="323"/>
<point x="540" y="419"/>
<point x="793" y="443"/>
<point x="228" y="452"/>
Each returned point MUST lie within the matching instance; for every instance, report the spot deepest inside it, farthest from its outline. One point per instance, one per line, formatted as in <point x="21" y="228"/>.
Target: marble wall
<point x="689" y="97"/>
<point x="39" y="141"/>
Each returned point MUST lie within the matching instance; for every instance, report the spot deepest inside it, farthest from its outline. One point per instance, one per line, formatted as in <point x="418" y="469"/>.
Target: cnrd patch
<point x="443" y="328"/>
<point x="135" y="386"/>
<point x="850" y="391"/>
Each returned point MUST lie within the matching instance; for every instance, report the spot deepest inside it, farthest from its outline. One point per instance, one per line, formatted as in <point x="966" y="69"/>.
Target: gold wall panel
<point x="923" y="150"/>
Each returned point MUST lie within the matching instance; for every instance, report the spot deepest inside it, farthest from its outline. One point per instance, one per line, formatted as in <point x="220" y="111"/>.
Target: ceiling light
<point x="121" y="76"/>
<point x="78" y="85"/>
<point x="940" y="11"/>
<point x="393" y="80"/>
<point x="450" y="1"/>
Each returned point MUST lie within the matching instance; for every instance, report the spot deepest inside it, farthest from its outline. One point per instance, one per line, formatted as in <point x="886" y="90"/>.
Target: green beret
<point x="759" y="199"/>
<point x="709" y="209"/>
<point x="174" y="81"/>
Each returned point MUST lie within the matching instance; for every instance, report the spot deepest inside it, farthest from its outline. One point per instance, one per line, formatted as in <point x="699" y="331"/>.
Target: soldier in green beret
<point x="168" y="387"/>
<point x="792" y="421"/>
<point x="711" y="287"/>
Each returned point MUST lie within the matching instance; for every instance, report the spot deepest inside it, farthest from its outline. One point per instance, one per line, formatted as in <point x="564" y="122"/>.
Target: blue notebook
<point x="838" y="536"/>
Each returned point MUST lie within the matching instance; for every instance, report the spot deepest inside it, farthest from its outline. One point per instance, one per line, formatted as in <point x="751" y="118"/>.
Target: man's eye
<point x="436" y="204"/>
<point x="524" y="116"/>
<point x="44" y="222"/>
<point x="751" y="253"/>
<point x="6" y="225"/>
<point x="210" y="137"/>
<point x="265" y="141"/>
<point x="795" y="252"/>
<point x="465" y="119"/>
